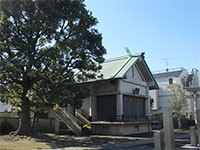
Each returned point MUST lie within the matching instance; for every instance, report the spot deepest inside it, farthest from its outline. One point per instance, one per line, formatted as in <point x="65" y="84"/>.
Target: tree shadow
<point x="61" y="141"/>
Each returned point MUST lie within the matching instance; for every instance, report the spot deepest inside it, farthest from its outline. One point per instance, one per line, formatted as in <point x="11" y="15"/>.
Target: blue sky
<point x="160" y="28"/>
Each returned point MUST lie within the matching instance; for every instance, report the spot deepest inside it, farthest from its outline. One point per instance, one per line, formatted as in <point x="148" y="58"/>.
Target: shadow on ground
<point x="135" y="141"/>
<point x="63" y="141"/>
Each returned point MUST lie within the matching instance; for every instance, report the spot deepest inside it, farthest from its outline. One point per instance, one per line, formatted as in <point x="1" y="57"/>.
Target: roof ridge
<point x="123" y="57"/>
<point x="169" y="72"/>
<point x="116" y="58"/>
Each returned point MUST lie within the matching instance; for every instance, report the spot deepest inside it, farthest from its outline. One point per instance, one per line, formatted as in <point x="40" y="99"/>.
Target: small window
<point x="170" y="81"/>
<point x="132" y="72"/>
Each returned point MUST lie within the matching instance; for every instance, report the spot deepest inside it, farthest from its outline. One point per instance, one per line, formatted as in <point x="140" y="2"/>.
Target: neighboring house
<point x="5" y="108"/>
<point x="120" y="103"/>
<point x="178" y="76"/>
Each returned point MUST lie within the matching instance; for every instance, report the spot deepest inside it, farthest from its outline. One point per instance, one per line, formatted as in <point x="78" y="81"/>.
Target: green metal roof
<point x="117" y="67"/>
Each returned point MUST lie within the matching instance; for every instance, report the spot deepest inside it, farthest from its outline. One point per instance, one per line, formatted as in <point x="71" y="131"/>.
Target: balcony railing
<point x="119" y="118"/>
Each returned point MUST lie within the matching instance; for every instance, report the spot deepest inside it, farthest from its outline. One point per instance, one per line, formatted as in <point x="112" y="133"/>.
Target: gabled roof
<point x="117" y="68"/>
<point x="168" y="74"/>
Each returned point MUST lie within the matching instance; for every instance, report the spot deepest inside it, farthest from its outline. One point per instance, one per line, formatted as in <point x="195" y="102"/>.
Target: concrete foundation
<point x="120" y="128"/>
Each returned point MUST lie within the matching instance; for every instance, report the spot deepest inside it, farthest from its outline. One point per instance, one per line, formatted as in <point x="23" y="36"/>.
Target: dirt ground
<point x="94" y="142"/>
<point x="8" y="142"/>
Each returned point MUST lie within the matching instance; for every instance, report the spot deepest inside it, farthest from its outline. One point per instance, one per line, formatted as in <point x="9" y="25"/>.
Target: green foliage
<point x="42" y="45"/>
<point x="177" y="99"/>
<point x="185" y="122"/>
<point x="5" y="128"/>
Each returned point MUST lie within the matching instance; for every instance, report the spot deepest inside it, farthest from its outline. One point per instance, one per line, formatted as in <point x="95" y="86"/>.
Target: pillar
<point x="94" y="107"/>
<point x="119" y="106"/>
<point x="197" y="114"/>
<point x="193" y="136"/>
<point x="158" y="140"/>
<point x="148" y="108"/>
<point x="90" y="107"/>
<point x="168" y="128"/>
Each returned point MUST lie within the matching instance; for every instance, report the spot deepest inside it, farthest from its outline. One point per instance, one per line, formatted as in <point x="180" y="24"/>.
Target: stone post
<point x="159" y="140"/>
<point x="168" y="128"/>
<point x="195" y="89"/>
<point x="119" y="106"/>
<point x="193" y="136"/>
<point x="197" y="114"/>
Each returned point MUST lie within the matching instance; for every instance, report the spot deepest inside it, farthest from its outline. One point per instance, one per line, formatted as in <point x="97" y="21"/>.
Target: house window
<point x="132" y="72"/>
<point x="170" y="81"/>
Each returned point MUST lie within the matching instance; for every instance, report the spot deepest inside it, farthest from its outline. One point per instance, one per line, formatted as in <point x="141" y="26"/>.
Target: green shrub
<point x="5" y="128"/>
<point x="175" y="121"/>
<point x="185" y="122"/>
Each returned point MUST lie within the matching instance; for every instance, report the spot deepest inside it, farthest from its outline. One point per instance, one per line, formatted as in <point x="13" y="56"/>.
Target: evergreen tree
<point x="42" y="45"/>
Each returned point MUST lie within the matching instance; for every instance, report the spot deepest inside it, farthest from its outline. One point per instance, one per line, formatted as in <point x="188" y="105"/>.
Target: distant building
<point x="5" y="108"/>
<point x="178" y="76"/>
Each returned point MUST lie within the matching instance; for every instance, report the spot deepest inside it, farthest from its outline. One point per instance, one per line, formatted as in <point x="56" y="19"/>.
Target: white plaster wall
<point x="128" y="87"/>
<point x="136" y="74"/>
<point x="5" y="108"/>
<point x="162" y="94"/>
<point x="154" y="96"/>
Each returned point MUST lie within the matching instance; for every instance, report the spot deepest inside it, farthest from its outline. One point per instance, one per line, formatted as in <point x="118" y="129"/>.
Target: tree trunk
<point x="25" y="128"/>
<point x="33" y="124"/>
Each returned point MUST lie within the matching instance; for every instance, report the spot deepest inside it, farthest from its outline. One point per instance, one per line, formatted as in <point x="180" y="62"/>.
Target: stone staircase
<point x="75" y="123"/>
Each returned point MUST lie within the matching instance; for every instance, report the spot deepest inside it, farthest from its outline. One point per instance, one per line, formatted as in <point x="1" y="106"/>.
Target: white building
<point x="5" y="108"/>
<point x="178" y="76"/>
